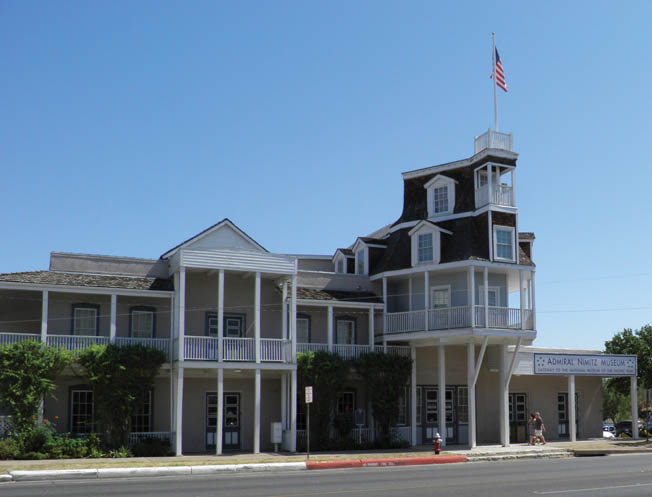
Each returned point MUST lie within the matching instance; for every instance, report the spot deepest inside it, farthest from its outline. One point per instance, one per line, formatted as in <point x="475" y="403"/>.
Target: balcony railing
<point x="74" y="342"/>
<point x="493" y="139"/>
<point x="139" y="436"/>
<point x="500" y="195"/>
<point x="457" y="317"/>
<point x="162" y="344"/>
<point x="353" y="351"/>
<point x="236" y="349"/>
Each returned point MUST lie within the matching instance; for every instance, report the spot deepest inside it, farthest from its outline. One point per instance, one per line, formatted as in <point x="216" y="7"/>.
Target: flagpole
<point x="493" y="79"/>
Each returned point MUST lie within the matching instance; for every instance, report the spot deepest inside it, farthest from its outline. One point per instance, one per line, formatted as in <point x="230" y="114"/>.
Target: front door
<point x="518" y="417"/>
<point x="451" y="417"/>
<point x="430" y="406"/>
<point x="231" y="417"/>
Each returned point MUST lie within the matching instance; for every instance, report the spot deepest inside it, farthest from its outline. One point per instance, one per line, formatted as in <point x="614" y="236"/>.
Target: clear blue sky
<point x="130" y="126"/>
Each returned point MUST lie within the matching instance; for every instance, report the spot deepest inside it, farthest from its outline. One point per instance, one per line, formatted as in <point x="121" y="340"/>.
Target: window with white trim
<point x="419" y="406"/>
<point x="504" y="243"/>
<point x="440" y="199"/>
<point x="359" y="261"/>
<point x="494" y="296"/>
<point x="141" y="322"/>
<point x="81" y="411"/>
<point x="303" y="328"/>
<point x="425" y="248"/>
<point x="345" y="331"/>
<point x="142" y="420"/>
<point x="439" y="297"/>
<point x="85" y="318"/>
<point x="234" y="325"/>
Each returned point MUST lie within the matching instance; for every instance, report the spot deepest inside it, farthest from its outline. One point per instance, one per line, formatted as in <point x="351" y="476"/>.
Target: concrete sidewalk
<point x="205" y="464"/>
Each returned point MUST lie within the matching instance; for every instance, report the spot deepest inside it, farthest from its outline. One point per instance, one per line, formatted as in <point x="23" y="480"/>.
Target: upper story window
<point x="360" y="261"/>
<point x="440" y="195"/>
<point x="425" y="248"/>
<point x="85" y="319"/>
<point x="141" y="322"/>
<point x="504" y="243"/>
<point x="426" y="243"/>
<point x="234" y="325"/>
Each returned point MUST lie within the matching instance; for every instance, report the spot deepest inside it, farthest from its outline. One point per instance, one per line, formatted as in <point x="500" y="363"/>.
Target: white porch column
<point x="220" y="316"/>
<point x="410" y="307"/>
<point x="172" y="335"/>
<point x="284" y="311"/>
<point x="330" y="328"/>
<point x="44" y="316"/>
<point x="634" y="399"/>
<point x="470" y="381"/>
<point x="472" y="294"/>
<point x="181" y="314"/>
<point x="257" y="317"/>
<point x="178" y="428"/>
<point x="114" y="315"/>
<point x="441" y="408"/>
<point x="571" y="409"/>
<point x="293" y="318"/>
<point x="413" y="396"/>
<point x="490" y="185"/>
<point x="521" y="293"/>
<point x="503" y="396"/>
<point x="534" y="304"/>
<point x="173" y="404"/>
<point x="385" y="300"/>
<point x="293" y="412"/>
<point x="486" y="297"/>
<point x="219" y="429"/>
<point x="426" y="298"/>
<point x="257" y="414"/>
<point x="371" y="327"/>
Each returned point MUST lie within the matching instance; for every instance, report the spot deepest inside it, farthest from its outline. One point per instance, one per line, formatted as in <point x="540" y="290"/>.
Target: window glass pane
<point x="345" y="403"/>
<point x="441" y="199"/>
<point x="85" y="321"/>
<point x="142" y="420"/>
<point x="233" y="327"/>
<point x="359" y="257"/>
<point x="463" y="404"/>
<point x="81" y="412"/>
<point x="142" y="324"/>
<point x="345" y="332"/>
<point x="504" y="244"/>
<point x="212" y="326"/>
<point x="303" y="330"/>
<point x="439" y="298"/>
<point x="425" y="247"/>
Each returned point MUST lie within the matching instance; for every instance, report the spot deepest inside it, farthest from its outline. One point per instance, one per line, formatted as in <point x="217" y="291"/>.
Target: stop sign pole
<point x="308" y="402"/>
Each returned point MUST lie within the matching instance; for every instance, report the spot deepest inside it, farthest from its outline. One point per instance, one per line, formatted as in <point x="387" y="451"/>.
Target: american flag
<point x="500" y="74"/>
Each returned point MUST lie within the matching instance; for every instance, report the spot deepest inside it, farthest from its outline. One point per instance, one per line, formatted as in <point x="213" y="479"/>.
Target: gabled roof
<point x="223" y="223"/>
<point x="368" y="241"/>
<point x="345" y="252"/>
<point x="425" y="222"/>
<point x="439" y="177"/>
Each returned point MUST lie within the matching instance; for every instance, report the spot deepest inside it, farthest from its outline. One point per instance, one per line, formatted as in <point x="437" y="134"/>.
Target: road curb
<point x="377" y="463"/>
<point x="4" y="478"/>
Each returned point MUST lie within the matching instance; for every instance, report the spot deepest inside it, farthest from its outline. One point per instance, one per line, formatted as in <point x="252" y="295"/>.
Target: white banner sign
<point x="580" y="364"/>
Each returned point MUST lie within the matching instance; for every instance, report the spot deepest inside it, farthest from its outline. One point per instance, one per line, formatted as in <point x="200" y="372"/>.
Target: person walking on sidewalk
<point x="530" y="430"/>
<point x="539" y="428"/>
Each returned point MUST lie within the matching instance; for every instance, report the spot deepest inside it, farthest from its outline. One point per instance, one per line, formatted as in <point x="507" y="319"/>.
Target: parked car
<point x="609" y="427"/>
<point x="624" y="428"/>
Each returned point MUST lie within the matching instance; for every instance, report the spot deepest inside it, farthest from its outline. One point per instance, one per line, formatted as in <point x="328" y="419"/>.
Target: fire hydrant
<point x="437" y="442"/>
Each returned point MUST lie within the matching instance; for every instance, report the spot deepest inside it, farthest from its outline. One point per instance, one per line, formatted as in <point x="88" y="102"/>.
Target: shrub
<point x="65" y="447"/>
<point x="120" y="452"/>
<point x="36" y="440"/>
<point x="9" y="449"/>
<point x="152" y="447"/>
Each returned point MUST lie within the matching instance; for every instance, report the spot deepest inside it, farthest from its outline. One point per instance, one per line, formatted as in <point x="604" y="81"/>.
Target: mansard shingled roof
<point x="88" y="280"/>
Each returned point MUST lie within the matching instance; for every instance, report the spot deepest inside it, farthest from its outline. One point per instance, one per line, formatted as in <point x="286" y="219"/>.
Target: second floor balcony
<point x="198" y="348"/>
<point x="458" y="317"/>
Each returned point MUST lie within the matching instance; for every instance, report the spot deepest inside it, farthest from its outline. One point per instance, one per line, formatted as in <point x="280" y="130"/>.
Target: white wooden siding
<point x="238" y="260"/>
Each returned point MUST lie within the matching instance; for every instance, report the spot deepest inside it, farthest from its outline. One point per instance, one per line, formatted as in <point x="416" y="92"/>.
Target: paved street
<point x="613" y="476"/>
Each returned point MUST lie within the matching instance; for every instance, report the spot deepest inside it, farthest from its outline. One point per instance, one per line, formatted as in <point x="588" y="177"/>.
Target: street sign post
<point x="308" y="402"/>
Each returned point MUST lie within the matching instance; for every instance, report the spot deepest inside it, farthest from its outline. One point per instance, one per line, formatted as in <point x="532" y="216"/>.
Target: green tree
<point x="27" y="373"/>
<point x="385" y="377"/>
<point x="326" y="373"/>
<point x="639" y="343"/>
<point x="615" y="405"/>
<point x="121" y="377"/>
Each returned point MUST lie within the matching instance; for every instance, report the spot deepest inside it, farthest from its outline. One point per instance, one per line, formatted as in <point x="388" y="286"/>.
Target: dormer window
<point x="426" y="243"/>
<point x="339" y="267"/>
<point x="425" y="248"/>
<point x="360" y="261"/>
<point x="440" y="195"/>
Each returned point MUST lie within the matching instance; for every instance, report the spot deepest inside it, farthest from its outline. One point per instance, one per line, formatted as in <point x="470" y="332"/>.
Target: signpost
<point x="359" y="421"/>
<point x="308" y="402"/>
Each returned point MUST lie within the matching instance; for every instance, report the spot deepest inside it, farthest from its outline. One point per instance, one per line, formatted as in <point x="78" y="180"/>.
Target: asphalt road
<point x="612" y="476"/>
